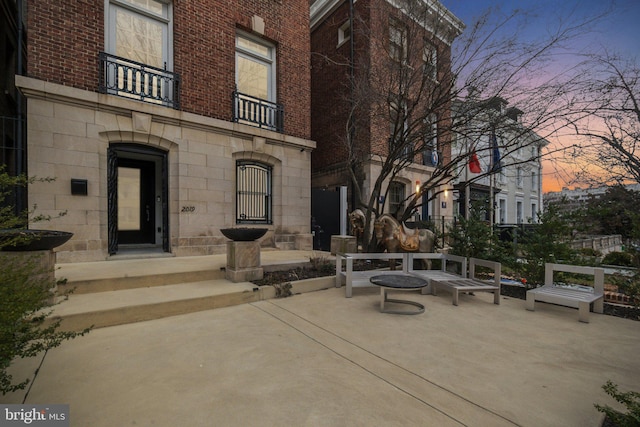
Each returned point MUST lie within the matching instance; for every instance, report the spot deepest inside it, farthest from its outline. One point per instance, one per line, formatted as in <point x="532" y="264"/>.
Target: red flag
<point x="474" y="163"/>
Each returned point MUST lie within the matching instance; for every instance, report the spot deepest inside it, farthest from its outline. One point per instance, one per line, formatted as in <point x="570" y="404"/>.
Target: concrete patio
<point x="320" y="359"/>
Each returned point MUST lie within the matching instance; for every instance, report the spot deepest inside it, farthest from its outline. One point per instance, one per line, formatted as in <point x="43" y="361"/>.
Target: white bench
<point x="471" y="284"/>
<point x="355" y="279"/>
<point x="442" y="273"/>
<point x="574" y="297"/>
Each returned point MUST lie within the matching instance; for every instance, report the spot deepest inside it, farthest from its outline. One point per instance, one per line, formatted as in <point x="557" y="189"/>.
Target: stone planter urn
<point x="243" y="254"/>
<point x="33" y="246"/>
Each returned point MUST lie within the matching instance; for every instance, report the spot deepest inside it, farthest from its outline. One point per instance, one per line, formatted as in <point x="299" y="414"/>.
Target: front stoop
<point x="128" y="302"/>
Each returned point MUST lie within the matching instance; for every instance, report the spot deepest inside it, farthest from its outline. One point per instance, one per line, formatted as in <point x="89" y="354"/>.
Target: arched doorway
<point x="137" y="198"/>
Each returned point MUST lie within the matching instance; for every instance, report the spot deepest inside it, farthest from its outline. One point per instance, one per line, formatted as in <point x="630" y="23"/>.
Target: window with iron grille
<point x="253" y="193"/>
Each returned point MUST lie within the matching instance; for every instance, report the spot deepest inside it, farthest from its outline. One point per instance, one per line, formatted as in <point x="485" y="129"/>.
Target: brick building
<point x="362" y="54"/>
<point x="163" y="121"/>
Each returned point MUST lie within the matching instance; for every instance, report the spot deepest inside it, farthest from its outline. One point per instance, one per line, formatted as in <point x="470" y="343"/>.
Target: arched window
<point x="253" y="193"/>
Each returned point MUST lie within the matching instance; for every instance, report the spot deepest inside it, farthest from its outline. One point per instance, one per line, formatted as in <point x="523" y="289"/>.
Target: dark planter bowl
<point x="243" y="234"/>
<point x="36" y="240"/>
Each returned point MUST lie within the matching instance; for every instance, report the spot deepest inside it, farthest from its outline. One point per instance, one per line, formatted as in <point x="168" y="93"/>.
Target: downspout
<point x="351" y="88"/>
<point x="20" y="169"/>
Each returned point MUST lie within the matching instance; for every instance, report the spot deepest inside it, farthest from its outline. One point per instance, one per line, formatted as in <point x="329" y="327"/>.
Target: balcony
<point x="131" y="79"/>
<point x="257" y="112"/>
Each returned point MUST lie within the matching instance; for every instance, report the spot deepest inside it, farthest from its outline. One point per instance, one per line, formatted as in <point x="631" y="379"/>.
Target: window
<point x="344" y="33"/>
<point x="255" y="68"/>
<point x="519" y="212"/>
<point x="534" y="181"/>
<point x="397" y="41"/>
<point x="253" y="193"/>
<point x="396" y="198"/>
<point x="519" y="177"/>
<point x="137" y="60"/>
<point x="430" y="156"/>
<point x="502" y="203"/>
<point x="139" y="30"/>
<point x="399" y="128"/>
<point x="502" y="175"/>
<point x="534" y="212"/>
<point x="430" y="58"/>
<point x="254" y="100"/>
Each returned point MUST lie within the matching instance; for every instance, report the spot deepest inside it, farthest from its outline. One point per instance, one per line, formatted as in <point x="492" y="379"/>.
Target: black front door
<point x="136" y="201"/>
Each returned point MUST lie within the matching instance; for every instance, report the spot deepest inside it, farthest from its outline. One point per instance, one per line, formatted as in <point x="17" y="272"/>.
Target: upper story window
<point x="397" y="41"/>
<point x="399" y="128"/>
<point x="255" y="67"/>
<point x="254" y="100"/>
<point x="140" y="30"/>
<point x="430" y="155"/>
<point x="138" y="59"/>
<point x="430" y="58"/>
<point x="534" y="181"/>
<point x="344" y="33"/>
<point x="502" y="175"/>
<point x="519" y="177"/>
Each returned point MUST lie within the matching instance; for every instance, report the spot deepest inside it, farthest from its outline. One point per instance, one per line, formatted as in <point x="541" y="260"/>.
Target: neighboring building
<point x="569" y="200"/>
<point x="503" y="145"/>
<point x="355" y="44"/>
<point x="164" y="121"/>
<point x="12" y="106"/>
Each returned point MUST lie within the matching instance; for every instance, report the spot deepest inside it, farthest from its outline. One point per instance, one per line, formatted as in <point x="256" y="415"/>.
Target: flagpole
<point x="467" y="194"/>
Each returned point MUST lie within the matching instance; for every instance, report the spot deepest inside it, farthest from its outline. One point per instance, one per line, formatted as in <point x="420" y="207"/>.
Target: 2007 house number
<point x="188" y="209"/>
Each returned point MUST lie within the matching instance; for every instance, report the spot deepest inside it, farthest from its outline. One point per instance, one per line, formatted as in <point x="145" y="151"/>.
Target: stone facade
<point x="71" y="126"/>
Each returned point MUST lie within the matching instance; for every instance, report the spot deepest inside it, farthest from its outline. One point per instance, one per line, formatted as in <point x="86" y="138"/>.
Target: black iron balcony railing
<point x="257" y="112"/>
<point x="131" y="79"/>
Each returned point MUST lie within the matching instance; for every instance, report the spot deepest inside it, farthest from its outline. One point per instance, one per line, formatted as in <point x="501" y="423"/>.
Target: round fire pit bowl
<point x="34" y="240"/>
<point x="243" y="234"/>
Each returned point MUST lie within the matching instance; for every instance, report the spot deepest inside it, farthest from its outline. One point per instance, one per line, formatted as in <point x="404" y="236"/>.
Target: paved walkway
<point x="319" y="359"/>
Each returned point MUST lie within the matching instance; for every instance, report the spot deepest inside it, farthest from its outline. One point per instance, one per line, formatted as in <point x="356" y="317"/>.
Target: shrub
<point x="631" y="401"/>
<point x="27" y="292"/>
<point x="590" y="252"/>
<point x="623" y="259"/>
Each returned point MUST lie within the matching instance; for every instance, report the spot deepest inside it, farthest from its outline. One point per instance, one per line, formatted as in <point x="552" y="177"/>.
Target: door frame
<point x="130" y="151"/>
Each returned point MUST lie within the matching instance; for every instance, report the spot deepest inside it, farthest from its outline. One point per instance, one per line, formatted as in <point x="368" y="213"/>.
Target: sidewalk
<point x="320" y="359"/>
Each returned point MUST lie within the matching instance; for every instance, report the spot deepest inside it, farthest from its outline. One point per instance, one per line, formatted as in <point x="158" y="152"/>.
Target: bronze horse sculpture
<point x="358" y="220"/>
<point x="396" y="237"/>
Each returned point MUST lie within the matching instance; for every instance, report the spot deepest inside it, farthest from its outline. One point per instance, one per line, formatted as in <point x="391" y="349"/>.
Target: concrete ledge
<point x="343" y="244"/>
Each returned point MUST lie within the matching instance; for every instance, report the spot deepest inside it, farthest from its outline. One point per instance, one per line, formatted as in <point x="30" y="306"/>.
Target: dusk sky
<point x="618" y="32"/>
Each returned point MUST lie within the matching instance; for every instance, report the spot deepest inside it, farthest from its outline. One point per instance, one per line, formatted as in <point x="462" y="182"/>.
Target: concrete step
<point x="121" y="274"/>
<point x="118" y="307"/>
<point x="106" y="276"/>
<point x="114" y="292"/>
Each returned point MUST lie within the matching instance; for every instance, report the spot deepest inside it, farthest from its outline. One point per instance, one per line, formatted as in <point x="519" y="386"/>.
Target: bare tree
<point x="400" y="101"/>
<point x="606" y="116"/>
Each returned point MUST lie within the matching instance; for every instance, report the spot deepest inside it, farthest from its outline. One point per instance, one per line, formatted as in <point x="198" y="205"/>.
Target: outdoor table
<point x="401" y="282"/>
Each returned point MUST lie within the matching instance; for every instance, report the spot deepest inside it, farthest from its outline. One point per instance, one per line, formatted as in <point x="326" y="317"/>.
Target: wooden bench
<point x="355" y="279"/>
<point x="443" y="273"/>
<point x="574" y="297"/>
<point x="472" y="283"/>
